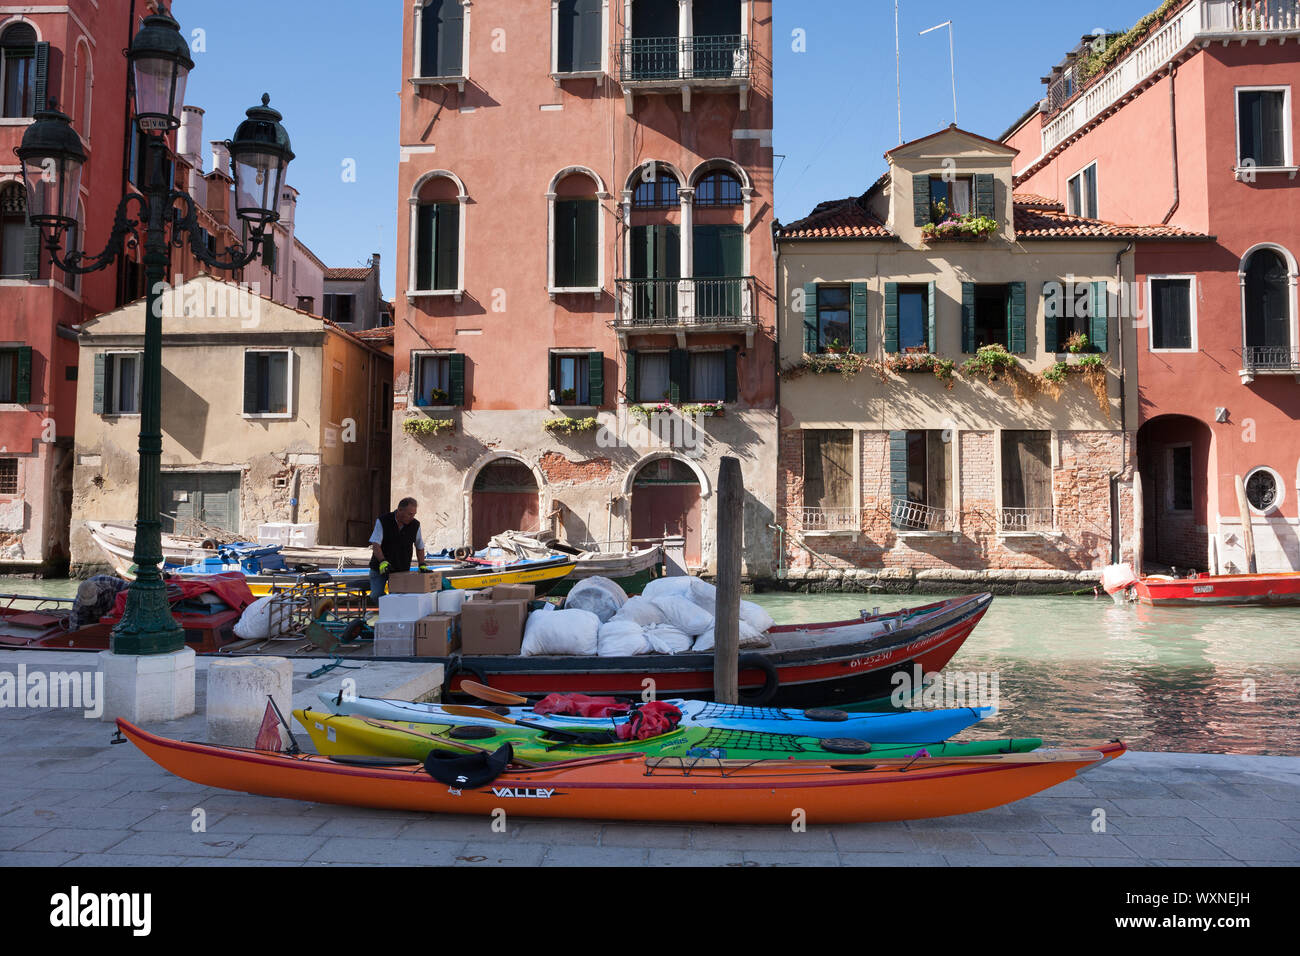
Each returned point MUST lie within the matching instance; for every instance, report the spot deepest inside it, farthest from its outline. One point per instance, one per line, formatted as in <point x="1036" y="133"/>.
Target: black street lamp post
<point x="52" y="157"/>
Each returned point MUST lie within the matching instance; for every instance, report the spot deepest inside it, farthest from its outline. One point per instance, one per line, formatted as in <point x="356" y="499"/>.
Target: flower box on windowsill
<point x="956" y="236"/>
<point x="968" y="228"/>
<point x="686" y="410"/>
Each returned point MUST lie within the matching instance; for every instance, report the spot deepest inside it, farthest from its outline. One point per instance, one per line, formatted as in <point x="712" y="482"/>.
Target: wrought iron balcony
<point x="905" y="515"/>
<point x="831" y="520"/>
<point x="1269" y="360"/>
<point x="682" y="305"/>
<point x="1026" y="520"/>
<point x="656" y="60"/>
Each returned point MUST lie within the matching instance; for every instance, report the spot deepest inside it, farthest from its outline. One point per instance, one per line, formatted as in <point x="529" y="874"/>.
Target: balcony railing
<point x="671" y="59"/>
<point x="1196" y="22"/>
<point x="831" y="519"/>
<point x="672" y="303"/>
<point x="1269" y="360"/>
<point x="907" y="515"/>
<point x="1026" y="520"/>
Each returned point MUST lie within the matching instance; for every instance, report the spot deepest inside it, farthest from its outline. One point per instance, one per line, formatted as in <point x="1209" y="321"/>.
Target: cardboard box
<point x="514" y="592"/>
<point x="395" y="639"/>
<point x="406" y="608"/>
<point x="492" y="627"/>
<point x="437" y="635"/>
<point x="415" y="582"/>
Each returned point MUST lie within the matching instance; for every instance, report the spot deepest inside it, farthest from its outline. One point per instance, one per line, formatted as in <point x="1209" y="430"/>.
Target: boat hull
<point x="1260" y="590"/>
<point x="629" y="788"/>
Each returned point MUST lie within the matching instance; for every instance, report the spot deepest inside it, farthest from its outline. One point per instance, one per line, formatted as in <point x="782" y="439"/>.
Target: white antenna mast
<point x="952" y="62"/>
<point x="898" y="74"/>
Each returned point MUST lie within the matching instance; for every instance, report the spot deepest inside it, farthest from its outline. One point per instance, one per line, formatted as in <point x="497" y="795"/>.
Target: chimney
<point x="189" y="142"/>
<point x="220" y="157"/>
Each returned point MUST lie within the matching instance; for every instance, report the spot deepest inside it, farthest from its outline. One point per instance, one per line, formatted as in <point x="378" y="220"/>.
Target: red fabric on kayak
<point x="579" y="705"/>
<point x="649" y="720"/>
<point x="231" y="587"/>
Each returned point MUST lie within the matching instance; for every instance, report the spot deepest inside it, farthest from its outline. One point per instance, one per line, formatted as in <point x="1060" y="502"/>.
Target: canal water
<point x="1081" y="669"/>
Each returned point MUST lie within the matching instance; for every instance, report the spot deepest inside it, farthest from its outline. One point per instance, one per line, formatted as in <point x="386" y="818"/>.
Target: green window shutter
<point x="424" y="252"/>
<point x="552" y="379"/>
<point x="1051" y="324"/>
<point x="596" y="378"/>
<point x="897" y="466"/>
<point x="269" y="253"/>
<point x="98" y="392"/>
<point x="984" y="201"/>
<point x="1016" y="318"/>
<point x="968" y="317"/>
<point x="1098" y="317"/>
<point x="447" y="234"/>
<point x="679" y="375"/>
<point x="24" y="390"/>
<point x="733" y="378"/>
<point x="456" y="371"/>
<point x="891" y="316"/>
<point x="42" y="75"/>
<point x="568" y="37"/>
<point x="921" y="199"/>
<point x="630" y="386"/>
<point x="576" y="240"/>
<point x="858" y="302"/>
<point x="931" y="335"/>
<point x="250" y="383"/>
<point x="566" y="245"/>
<point x="32" y="252"/>
<point x="810" y="318"/>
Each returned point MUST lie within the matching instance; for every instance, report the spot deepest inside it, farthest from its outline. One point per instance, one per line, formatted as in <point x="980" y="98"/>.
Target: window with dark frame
<point x="442" y="40"/>
<point x="1261" y="490"/>
<point x="951" y="197"/>
<point x="266" y="383"/>
<point x="1171" y="313"/>
<point x="572" y="379"/>
<point x="707" y="373"/>
<point x="577" y="243"/>
<point x="13" y="231"/>
<point x="384" y="407"/>
<point x="340" y="307"/>
<point x="913" y="317"/>
<point x="661" y="192"/>
<point x="1261" y="128"/>
<point x="834" y="328"/>
<point x="8" y="376"/>
<point x="433" y="381"/>
<point x="18" y="71"/>
<point x="122" y="383"/>
<point x="1071" y="312"/>
<point x="719" y="188"/>
<point x="579" y="36"/>
<point x="8" y="476"/>
<point x="920" y="465"/>
<point x="437" y="247"/>
<point x="653" y="378"/>
<point x="992" y="316"/>
<point x="1180" y="478"/>
<point x="1083" y="193"/>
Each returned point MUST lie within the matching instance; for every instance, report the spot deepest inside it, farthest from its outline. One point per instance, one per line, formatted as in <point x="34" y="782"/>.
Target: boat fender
<point x="826" y="715"/>
<point x="771" y="680"/>
<point x="471" y="733"/>
<point x="457" y="667"/>
<point x="467" y="771"/>
<point x="845" y="745"/>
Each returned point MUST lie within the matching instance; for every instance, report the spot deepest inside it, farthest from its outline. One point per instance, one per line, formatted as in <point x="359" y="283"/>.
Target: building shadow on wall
<point x="184" y="414"/>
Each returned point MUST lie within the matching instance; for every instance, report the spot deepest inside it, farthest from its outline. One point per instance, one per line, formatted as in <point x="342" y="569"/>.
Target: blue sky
<point x="334" y="72"/>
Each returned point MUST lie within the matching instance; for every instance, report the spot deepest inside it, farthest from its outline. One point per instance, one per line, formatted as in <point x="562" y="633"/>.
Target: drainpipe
<point x="1173" y="140"/>
<point x="1116" y="477"/>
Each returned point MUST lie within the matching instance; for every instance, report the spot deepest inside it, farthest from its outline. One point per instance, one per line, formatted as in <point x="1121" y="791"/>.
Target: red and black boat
<point x="808" y="665"/>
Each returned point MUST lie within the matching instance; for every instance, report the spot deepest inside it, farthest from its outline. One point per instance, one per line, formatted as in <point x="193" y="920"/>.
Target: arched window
<point x="719" y="188"/>
<point x="575" y="232"/>
<point x="437" y="230"/>
<point x="13" y="231"/>
<point x="656" y="188"/>
<point x="1267" y="300"/>
<point x="18" y="70"/>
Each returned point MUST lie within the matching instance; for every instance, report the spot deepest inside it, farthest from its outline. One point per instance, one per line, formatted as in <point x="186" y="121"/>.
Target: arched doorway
<point x="666" y="501"/>
<point x="1174" y="453"/>
<point x="505" y="498"/>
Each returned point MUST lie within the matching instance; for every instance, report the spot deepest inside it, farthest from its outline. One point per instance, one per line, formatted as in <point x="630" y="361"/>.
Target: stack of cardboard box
<point x="410" y="598"/>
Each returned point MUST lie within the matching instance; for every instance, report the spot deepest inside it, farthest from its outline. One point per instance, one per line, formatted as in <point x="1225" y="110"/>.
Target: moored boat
<point x="843" y="790"/>
<point x="1263" y="590"/>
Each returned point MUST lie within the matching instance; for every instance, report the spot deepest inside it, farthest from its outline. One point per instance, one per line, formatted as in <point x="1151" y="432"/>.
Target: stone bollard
<point x="237" y="692"/>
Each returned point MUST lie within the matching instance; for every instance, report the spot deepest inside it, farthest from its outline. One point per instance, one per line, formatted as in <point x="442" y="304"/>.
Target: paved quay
<point x="69" y="798"/>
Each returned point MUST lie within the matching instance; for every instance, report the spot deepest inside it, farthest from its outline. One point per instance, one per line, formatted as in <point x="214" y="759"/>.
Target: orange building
<point x="585" y="313"/>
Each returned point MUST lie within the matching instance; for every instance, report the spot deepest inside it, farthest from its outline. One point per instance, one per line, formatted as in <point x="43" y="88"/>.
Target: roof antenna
<point x="898" y="74"/>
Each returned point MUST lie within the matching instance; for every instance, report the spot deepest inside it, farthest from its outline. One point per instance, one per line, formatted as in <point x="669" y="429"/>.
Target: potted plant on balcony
<point x="1078" y="343"/>
<point x="428" y="427"/>
<point x="438" y="397"/>
<point x="836" y="347"/>
<point x="918" y="358"/>
<point x="564" y="425"/>
<point x="960" y="228"/>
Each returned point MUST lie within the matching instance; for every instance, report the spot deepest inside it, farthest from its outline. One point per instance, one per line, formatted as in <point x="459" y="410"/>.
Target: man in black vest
<point x="395" y="536"/>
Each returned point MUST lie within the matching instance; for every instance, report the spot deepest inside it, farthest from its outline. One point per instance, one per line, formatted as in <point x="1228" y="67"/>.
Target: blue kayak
<point x="913" y="726"/>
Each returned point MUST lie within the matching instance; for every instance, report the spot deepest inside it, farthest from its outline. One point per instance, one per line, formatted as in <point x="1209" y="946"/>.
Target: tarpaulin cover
<point x="231" y="587"/>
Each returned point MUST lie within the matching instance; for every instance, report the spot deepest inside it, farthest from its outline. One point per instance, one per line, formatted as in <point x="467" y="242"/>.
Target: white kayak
<point x="912" y="726"/>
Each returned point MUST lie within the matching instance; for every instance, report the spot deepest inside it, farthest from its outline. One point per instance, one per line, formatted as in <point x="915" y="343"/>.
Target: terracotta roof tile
<point x="1042" y="222"/>
<point x="382" y="333"/>
<point x="1033" y="199"/>
<point x="348" y="275"/>
<point x="837" y="219"/>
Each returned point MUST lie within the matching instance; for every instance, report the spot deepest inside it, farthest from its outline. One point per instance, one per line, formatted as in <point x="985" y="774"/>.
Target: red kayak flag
<point x="268" y="735"/>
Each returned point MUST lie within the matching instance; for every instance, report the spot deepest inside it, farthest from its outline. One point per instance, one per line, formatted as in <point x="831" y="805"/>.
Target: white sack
<point x="666" y="639"/>
<point x="255" y="622"/>
<point x="749" y="638"/>
<point x="561" y="632"/>
<point x="676" y="586"/>
<point x="682" y="614"/>
<point x="641" y="610"/>
<point x="622" y="637"/>
<point x="600" y="596"/>
<point x="755" y="617"/>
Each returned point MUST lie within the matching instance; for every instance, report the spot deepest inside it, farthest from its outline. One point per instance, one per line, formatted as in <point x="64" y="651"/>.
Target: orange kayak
<point x="632" y="787"/>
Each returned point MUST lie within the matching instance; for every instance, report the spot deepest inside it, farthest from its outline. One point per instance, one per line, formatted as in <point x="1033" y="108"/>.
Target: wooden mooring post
<point x="1247" y="529"/>
<point x="1138" y="520"/>
<point x="726" y="640"/>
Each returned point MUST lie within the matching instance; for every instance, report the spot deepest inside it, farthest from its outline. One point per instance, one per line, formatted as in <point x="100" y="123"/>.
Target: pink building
<point x="586" y="206"/>
<point x="1191" y="122"/>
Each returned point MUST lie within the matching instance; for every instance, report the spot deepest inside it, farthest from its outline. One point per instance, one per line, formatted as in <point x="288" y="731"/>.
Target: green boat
<point x="336" y="735"/>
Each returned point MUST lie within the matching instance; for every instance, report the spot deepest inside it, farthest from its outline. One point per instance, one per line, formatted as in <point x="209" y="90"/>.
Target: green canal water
<point x="1078" y="669"/>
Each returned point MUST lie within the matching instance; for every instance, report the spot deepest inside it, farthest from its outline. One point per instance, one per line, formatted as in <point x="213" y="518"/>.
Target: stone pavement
<point x="69" y="798"/>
